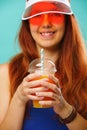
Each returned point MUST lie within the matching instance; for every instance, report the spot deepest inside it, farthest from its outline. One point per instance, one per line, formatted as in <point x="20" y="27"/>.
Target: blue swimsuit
<point x="42" y="119"/>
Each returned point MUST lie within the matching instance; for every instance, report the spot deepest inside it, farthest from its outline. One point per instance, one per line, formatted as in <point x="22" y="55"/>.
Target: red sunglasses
<point x="54" y="18"/>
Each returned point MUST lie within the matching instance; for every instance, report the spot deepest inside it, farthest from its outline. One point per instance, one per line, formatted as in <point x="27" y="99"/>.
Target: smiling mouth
<point x="47" y="34"/>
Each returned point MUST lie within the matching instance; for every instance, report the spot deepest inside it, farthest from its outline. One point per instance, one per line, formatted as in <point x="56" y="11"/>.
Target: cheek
<point x="33" y="28"/>
<point x="33" y="31"/>
<point x="60" y="30"/>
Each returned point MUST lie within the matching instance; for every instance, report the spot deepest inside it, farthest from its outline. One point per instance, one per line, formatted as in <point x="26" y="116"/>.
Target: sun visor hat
<point x="46" y="6"/>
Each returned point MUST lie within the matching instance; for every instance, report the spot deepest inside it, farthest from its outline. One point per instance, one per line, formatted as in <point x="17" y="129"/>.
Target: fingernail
<point x="37" y="93"/>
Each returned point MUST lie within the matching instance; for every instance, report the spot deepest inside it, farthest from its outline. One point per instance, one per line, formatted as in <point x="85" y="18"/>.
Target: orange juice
<point x="36" y="102"/>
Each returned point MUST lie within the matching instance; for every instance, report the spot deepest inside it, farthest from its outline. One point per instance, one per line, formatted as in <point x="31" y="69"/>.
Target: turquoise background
<point x="10" y="18"/>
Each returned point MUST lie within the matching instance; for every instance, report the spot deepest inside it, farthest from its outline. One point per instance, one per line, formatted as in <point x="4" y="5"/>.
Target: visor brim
<point x="62" y="8"/>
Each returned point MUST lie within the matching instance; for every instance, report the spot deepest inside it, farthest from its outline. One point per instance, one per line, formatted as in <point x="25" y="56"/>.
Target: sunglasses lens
<point x="37" y="20"/>
<point x="54" y="18"/>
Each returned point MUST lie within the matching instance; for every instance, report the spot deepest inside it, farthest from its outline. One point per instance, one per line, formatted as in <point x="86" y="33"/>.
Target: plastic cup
<point x="47" y="68"/>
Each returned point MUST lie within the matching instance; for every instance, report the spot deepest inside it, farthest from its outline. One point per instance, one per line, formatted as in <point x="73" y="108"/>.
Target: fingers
<point x="35" y="88"/>
<point x="50" y="94"/>
<point x="30" y="86"/>
<point x="34" y="83"/>
<point x="40" y="89"/>
<point x="56" y="81"/>
<point x="51" y="86"/>
<point x="52" y="102"/>
<point x="51" y="98"/>
<point x="31" y="77"/>
<point x="33" y="97"/>
<point x="33" y="80"/>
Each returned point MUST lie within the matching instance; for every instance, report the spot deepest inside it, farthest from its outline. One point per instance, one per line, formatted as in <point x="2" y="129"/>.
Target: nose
<point x="46" y="21"/>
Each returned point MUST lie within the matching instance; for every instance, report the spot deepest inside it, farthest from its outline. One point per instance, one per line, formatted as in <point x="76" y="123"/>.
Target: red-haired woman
<point x="52" y="26"/>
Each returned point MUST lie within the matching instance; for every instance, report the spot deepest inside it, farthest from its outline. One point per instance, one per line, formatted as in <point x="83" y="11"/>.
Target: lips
<point x="47" y="34"/>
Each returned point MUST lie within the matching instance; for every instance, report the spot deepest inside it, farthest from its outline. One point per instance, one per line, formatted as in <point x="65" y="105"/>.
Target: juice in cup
<point x="36" y="102"/>
<point x="49" y="68"/>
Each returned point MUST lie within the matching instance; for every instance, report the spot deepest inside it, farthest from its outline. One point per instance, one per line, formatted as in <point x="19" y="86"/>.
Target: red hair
<point x="71" y="65"/>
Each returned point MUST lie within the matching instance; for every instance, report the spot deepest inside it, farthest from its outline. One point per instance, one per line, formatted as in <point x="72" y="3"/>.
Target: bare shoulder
<point x="4" y="74"/>
<point x="4" y="89"/>
<point x="4" y="68"/>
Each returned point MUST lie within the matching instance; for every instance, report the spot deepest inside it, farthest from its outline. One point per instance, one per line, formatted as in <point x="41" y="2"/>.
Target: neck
<point x="50" y="54"/>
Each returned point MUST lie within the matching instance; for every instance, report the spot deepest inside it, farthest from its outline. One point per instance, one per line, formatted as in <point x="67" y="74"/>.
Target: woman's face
<point x="47" y="29"/>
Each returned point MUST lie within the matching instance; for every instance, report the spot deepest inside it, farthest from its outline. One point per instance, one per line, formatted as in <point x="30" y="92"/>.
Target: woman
<point x="53" y="27"/>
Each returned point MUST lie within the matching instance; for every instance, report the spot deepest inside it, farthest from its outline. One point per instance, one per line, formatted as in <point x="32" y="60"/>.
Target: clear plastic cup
<point x="45" y="69"/>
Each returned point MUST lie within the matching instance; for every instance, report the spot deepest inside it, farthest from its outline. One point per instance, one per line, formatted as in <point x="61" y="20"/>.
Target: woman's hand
<point x="57" y="101"/>
<point x="33" y="87"/>
<point x="29" y="87"/>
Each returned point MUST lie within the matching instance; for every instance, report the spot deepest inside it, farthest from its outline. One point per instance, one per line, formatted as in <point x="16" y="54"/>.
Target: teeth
<point x="47" y="34"/>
